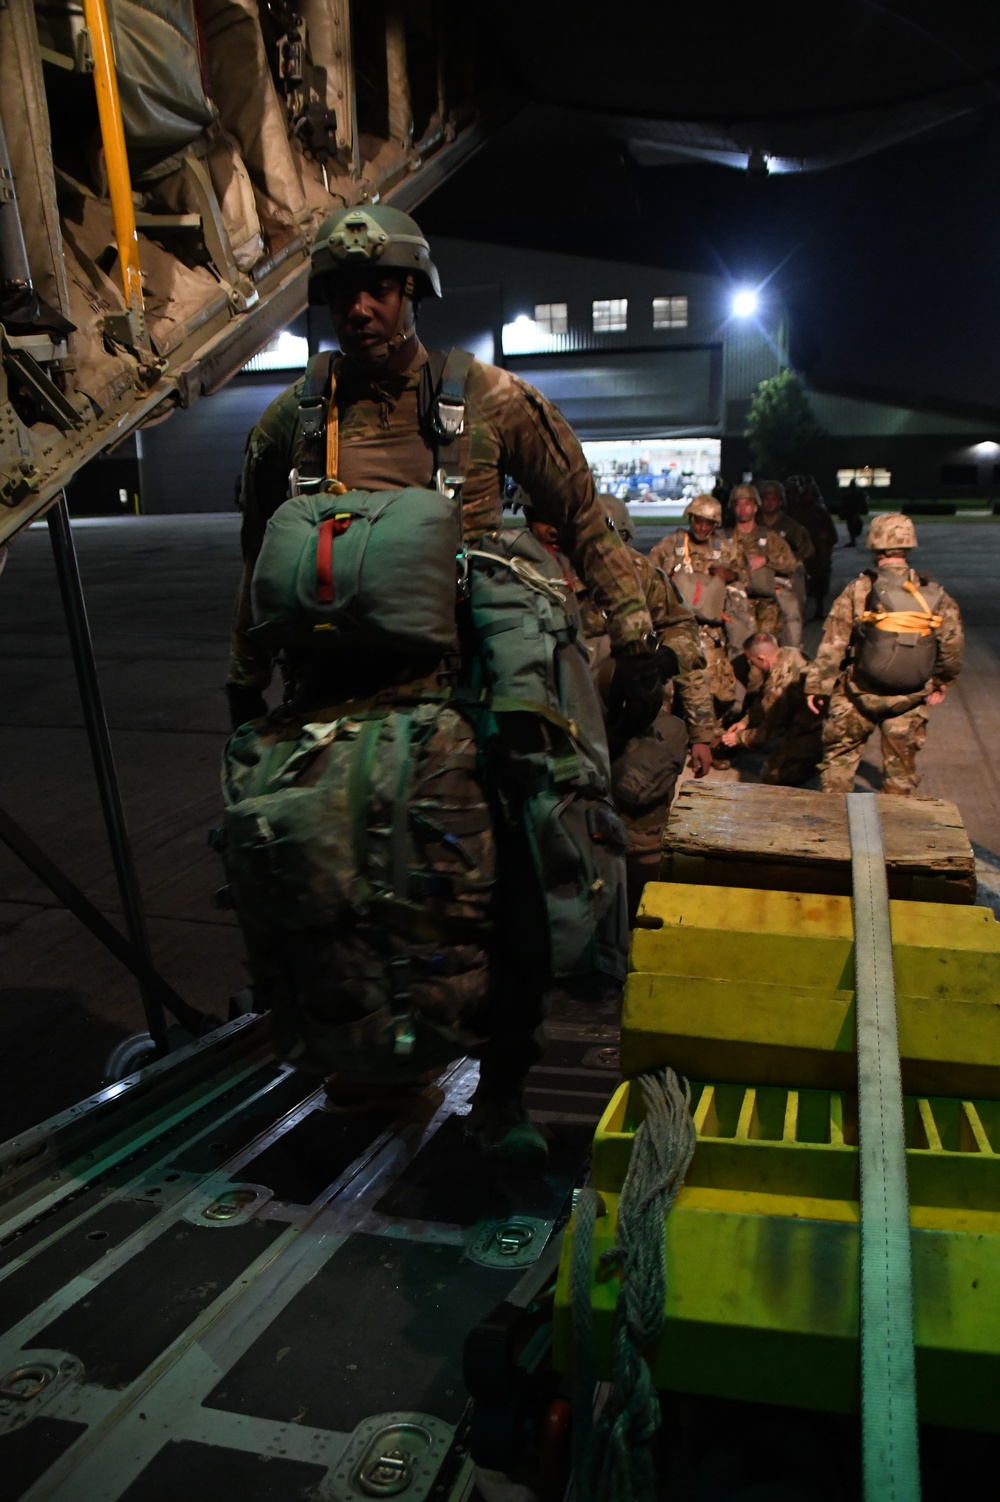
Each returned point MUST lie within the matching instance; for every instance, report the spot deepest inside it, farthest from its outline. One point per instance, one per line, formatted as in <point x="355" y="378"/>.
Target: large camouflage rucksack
<point x="895" y="648"/>
<point x="532" y="660"/>
<point x="360" y="857"/>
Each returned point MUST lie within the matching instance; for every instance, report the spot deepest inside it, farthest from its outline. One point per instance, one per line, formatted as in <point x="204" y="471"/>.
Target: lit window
<point x="670" y="312"/>
<point x="877" y="479"/>
<point x="552" y="317"/>
<point x="287" y="352"/>
<point x="610" y="314"/>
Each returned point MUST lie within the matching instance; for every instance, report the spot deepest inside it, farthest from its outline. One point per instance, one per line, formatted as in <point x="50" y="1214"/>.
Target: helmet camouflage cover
<point x="707" y="506"/>
<point x="372" y="234"/>
<point x="750" y="491"/>
<point x="618" y="515"/>
<point x="891" y="531"/>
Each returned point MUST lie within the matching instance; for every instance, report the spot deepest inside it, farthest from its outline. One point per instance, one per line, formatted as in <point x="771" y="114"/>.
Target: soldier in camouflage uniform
<point x="708" y="569"/>
<point x="774" y="516"/>
<point x="893" y="642"/>
<point x="371" y="266"/>
<point x="771" y="565"/>
<point x="645" y="768"/>
<point x="806" y="506"/>
<point x="776" y="713"/>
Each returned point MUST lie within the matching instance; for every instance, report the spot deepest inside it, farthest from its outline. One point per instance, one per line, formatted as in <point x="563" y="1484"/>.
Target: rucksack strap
<point x="310" y="432"/>
<point x="441" y="406"/>
<point x="441" y="409"/>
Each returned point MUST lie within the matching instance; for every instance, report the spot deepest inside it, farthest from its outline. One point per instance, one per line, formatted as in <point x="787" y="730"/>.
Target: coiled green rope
<point x="613" y="1459"/>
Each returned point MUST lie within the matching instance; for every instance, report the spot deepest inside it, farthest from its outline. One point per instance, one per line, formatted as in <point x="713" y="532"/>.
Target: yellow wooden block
<point x="746" y="910"/>
<point x="798" y="939"/>
<point x="755" y="1033"/>
<point x="762" y="1304"/>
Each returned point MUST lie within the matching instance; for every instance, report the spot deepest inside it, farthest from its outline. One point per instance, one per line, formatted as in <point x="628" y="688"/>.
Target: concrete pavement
<point x="159" y="593"/>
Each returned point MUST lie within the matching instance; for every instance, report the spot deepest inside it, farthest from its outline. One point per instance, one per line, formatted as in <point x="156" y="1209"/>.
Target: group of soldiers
<point x="727" y="608"/>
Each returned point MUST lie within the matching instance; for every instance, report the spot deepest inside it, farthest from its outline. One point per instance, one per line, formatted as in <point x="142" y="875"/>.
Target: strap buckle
<point x="449" y="418"/>
<point x="448" y="485"/>
<point x="300" y="484"/>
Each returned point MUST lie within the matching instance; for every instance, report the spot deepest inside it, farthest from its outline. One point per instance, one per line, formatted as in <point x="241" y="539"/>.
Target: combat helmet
<point x="617" y="515"/>
<point x="891" y="531"/>
<point x="750" y="491"/>
<point x="706" y="506"/>
<point x="375" y="234"/>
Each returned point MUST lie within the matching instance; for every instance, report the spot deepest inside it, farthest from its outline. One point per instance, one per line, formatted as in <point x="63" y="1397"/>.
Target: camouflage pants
<point x="782" y="616"/>
<point x="721" y="678"/>
<point x="846" y="730"/>
<point x="643" y="785"/>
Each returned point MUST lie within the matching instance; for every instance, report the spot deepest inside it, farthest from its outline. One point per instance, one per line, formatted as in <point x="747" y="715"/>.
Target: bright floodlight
<point x="744" y="302"/>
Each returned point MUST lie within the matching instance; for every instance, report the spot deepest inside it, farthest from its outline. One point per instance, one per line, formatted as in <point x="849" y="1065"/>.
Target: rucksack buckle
<point x="448" y="485"/>
<point x="300" y="484"/>
<point x="449" y="418"/>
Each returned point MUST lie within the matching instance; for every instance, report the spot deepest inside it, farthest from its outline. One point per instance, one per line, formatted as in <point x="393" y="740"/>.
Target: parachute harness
<point x="922" y="622"/>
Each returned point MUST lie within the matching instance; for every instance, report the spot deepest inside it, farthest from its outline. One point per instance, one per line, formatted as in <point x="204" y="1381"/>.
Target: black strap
<point x="310" y="433"/>
<point x="441" y="410"/>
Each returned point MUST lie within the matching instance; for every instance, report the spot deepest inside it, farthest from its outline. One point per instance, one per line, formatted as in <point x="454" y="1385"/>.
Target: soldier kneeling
<point x="776" y="713"/>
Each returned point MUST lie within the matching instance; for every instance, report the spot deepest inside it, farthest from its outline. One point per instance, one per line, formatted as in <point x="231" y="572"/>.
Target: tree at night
<point x="782" y="428"/>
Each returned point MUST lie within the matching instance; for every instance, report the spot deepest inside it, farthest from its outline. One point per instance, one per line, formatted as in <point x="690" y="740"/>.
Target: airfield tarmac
<point x="159" y="593"/>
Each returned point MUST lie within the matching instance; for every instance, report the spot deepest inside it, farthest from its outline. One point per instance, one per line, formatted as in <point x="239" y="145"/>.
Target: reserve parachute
<point x="896" y="647"/>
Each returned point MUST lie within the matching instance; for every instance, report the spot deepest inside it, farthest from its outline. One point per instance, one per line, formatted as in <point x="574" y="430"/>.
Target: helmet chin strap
<point x="377" y="356"/>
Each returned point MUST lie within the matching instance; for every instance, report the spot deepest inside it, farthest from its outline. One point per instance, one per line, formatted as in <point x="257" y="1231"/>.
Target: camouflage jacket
<point x="794" y="533"/>
<point x="833" y="658"/>
<point x="681" y="550"/>
<point x="769" y="542"/>
<point x="675" y="627"/>
<point x="512" y="431"/>
<point x="777" y="705"/>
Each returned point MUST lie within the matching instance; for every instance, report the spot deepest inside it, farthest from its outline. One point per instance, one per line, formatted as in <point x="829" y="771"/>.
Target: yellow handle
<point x="109" y="112"/>
<point x="906" y="621"/>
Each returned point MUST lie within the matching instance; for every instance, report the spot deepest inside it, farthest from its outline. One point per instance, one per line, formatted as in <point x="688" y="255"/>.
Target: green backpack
<point x="532" y="659"/>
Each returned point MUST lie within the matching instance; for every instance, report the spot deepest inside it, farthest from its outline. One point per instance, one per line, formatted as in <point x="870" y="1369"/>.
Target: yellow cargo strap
<point x="333" y="485"/>
<point x="890" y="1454"/>
<point x="920" y="622"/>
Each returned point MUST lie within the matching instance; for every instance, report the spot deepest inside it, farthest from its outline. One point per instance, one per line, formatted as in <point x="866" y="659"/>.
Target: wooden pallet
<point x="793" y="840"/>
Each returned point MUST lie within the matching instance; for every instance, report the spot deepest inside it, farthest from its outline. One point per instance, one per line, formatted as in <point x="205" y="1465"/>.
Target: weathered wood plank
<point x="745" y="834"/>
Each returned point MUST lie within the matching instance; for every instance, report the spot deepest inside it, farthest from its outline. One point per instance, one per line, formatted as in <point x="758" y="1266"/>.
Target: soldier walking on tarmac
<point x="371" y="266"/>
<point x="774" y="516"/>
<point x="805" y="504"/>
<point x="892" y="644"/>
<point x="706" y="567"/>
<point x="771" y="565"/>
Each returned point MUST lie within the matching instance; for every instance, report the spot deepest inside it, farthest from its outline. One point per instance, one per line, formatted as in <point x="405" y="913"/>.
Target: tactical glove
<point x="245" y="703"/>
<point x="635" y="697"/>
<point x="667" y="663"/>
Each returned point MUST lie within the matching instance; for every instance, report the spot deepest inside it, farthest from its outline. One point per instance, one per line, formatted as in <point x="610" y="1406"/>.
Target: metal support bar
<point x="68" y="572"/>
<point x="109" y="113"/>
<point x="69" y="894"/>
<point x="888" y="1377"/>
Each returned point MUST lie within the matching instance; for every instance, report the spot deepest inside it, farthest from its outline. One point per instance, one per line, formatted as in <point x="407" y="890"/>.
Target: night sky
<point x="890" y="264"/>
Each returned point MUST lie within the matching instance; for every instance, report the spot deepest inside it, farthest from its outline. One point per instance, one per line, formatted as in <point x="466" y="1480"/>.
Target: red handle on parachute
<point x="334" y="526"/>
